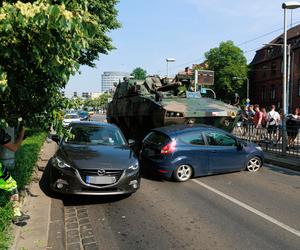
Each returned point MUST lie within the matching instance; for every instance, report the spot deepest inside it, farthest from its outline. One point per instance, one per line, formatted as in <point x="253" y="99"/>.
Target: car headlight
<point x="135" y="166"/>
<point x="60" y="163"/>
<point x="258" y="148"/>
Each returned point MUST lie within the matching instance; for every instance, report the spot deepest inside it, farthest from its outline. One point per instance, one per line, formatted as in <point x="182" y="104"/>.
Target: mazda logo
<point x="101" y="172"/>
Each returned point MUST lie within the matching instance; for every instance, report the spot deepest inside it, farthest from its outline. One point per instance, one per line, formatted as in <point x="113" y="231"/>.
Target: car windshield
<point x="95" y="135"/>
<point x="71" y="116"/>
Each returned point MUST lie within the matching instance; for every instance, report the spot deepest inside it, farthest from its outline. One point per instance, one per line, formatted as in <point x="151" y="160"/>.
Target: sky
<point x="153" y="30"/>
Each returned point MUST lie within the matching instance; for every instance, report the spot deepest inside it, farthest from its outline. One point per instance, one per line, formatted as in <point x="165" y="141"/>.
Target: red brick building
<point x="266" y="72"/>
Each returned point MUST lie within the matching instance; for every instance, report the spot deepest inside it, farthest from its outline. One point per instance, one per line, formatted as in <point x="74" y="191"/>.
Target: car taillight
<point x="169" y="148"/>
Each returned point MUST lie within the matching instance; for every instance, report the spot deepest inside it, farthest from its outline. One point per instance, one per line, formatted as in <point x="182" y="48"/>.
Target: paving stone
<point x="71" y="220"/>
<point x="79" y="210"/>
<point x="84" y="221"/>
<point x="72" y="225"/>
<point x="85" y="227"/>
<point x="73" y="233"/>
<point x="82" y="215"/>
<point x="92" y="246"/>
<point x="86" y="234"/>
<point x="74" y="239"/>
<point x="76" y="246"/>
<point x="88" y="241"/>
<point x="68" y="215"/>
<point x="70" y="210"/>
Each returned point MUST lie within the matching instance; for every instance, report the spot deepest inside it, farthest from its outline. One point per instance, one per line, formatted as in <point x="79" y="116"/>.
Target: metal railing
<point x="270" y="138"/>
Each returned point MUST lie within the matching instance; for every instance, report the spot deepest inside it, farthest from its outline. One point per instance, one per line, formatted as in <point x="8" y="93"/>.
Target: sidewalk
<point x="46" y="217"/>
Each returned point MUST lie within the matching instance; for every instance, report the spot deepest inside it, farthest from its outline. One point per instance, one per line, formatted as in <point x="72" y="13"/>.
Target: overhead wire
<point x="240" y="44"/>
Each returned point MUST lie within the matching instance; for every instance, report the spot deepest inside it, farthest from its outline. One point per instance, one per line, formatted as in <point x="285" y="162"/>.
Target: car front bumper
<point x="69" y="181"/>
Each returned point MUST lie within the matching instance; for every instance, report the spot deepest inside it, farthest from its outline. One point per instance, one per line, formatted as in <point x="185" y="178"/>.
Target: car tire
<point x="254" y="164"/>
<point x="183" y="173"/>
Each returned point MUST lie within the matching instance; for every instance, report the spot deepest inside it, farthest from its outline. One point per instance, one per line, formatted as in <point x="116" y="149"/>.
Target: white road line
<point x="251" y="209"/>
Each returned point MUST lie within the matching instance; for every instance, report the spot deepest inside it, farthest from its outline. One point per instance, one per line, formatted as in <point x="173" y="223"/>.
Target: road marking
<point x="251" y="209"/>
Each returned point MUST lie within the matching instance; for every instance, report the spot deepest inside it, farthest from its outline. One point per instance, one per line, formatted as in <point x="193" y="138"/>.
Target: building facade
<point x="109" y="78"/>
<point x="266" y="72"/>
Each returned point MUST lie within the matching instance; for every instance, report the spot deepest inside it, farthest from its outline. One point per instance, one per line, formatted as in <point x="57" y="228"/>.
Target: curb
<point x="282" y="164"/>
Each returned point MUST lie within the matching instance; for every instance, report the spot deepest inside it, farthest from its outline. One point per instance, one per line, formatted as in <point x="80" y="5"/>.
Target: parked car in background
<point x="84" y="115"/>
<point x="95" y="159"/>
<point x="185" y="151"/>
<point x="71" y="117"/>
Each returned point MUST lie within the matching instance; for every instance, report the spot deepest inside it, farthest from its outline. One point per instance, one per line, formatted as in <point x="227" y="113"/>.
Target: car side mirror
<point x="239" y="145"/>
<point x="55" y="138"/>
<point x="131" y="142"/>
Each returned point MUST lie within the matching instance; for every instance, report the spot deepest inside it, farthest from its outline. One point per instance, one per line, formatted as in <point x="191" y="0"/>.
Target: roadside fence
<point x="270" y="138"/>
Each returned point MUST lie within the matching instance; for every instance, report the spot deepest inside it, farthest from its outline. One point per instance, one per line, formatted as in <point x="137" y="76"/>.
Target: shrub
<point x="26" y="158"/>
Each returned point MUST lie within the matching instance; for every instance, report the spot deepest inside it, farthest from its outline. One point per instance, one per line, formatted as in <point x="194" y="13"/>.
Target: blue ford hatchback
<point x="185" y="151"/>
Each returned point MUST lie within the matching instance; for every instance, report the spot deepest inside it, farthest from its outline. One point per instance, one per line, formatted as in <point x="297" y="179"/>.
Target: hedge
<point x="26" y="158"/>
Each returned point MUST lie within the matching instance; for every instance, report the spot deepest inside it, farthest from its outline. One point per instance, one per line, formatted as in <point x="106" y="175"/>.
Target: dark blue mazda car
<point x="185" y="151"/>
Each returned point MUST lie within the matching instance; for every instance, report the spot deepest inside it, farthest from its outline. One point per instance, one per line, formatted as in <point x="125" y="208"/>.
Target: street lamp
<point x="169" y="60"/>
<point x="243" y="78"/>
<point x="285" y="6"/>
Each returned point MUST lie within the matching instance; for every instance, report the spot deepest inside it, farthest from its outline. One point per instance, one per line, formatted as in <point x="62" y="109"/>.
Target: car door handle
<point x="213" y="151"/>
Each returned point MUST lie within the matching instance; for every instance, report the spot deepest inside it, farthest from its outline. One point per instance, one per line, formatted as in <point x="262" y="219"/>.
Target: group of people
<point x="260" y="124"/>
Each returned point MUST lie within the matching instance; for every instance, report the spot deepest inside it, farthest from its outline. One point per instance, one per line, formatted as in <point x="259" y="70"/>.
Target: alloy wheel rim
<point x="254" y="165"/>
<point x="184" y="172"/>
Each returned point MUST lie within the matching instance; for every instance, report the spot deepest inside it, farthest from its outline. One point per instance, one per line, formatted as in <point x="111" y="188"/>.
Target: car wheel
<point x="254" y="164"/>
<point x="183" y="173"/>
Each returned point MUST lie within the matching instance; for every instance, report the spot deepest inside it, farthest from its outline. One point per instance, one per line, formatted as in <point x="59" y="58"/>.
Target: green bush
<point x="26" y="158"/>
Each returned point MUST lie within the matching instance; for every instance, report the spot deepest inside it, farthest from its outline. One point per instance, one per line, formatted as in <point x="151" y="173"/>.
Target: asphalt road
<point x="231" y="211"/>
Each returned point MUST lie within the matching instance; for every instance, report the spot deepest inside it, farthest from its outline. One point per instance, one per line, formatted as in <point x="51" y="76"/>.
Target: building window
<point x="264" y="71"/>
<point x="273" y="92"/>
<point x="263" y="94"/>
<point x="273" y="69"/>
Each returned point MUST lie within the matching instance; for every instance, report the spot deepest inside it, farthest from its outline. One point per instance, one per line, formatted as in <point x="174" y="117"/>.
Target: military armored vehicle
<point x="138" y="106"/>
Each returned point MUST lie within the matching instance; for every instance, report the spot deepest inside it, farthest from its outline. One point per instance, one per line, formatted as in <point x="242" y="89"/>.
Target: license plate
<point x="100" y="179"/>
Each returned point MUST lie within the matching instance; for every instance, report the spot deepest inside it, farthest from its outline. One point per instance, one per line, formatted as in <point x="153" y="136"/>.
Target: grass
<point x="26" y="158"/>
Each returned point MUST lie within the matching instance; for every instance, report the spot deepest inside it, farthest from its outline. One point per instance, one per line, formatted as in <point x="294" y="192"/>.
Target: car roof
<point x="71" y="114"/>
<point x="94" y="123"/>
<point x="174" y="130"/>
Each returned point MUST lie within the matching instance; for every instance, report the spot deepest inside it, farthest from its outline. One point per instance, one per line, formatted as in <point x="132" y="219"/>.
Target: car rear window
<point x="71" y="116"/>
<point x="157" y="139"/>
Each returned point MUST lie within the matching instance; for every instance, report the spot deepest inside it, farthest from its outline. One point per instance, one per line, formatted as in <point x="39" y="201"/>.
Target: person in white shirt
<point x="273" y="119"/>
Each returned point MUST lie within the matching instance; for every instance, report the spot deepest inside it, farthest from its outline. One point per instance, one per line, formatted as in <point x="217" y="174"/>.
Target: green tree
<point x="99" y="102"/>
<point x="139" y="73"/>
<point x="227" y="61"/>
<point x="42" y="43"/>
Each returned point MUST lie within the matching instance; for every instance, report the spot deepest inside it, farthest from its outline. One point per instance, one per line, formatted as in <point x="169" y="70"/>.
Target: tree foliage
<point x="99" y="102"/>
<point x="227" y="61"/>
<point x="42" y="43"/>
<point x="139" y="73"/>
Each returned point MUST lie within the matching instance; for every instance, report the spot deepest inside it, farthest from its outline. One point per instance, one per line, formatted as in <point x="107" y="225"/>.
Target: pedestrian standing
<point x="251" y="114"/>
<point x="257" y="120"/>
<point x="7" y="182"/>
<point x="292" y="127"/>
<point x="273" y="119"/>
